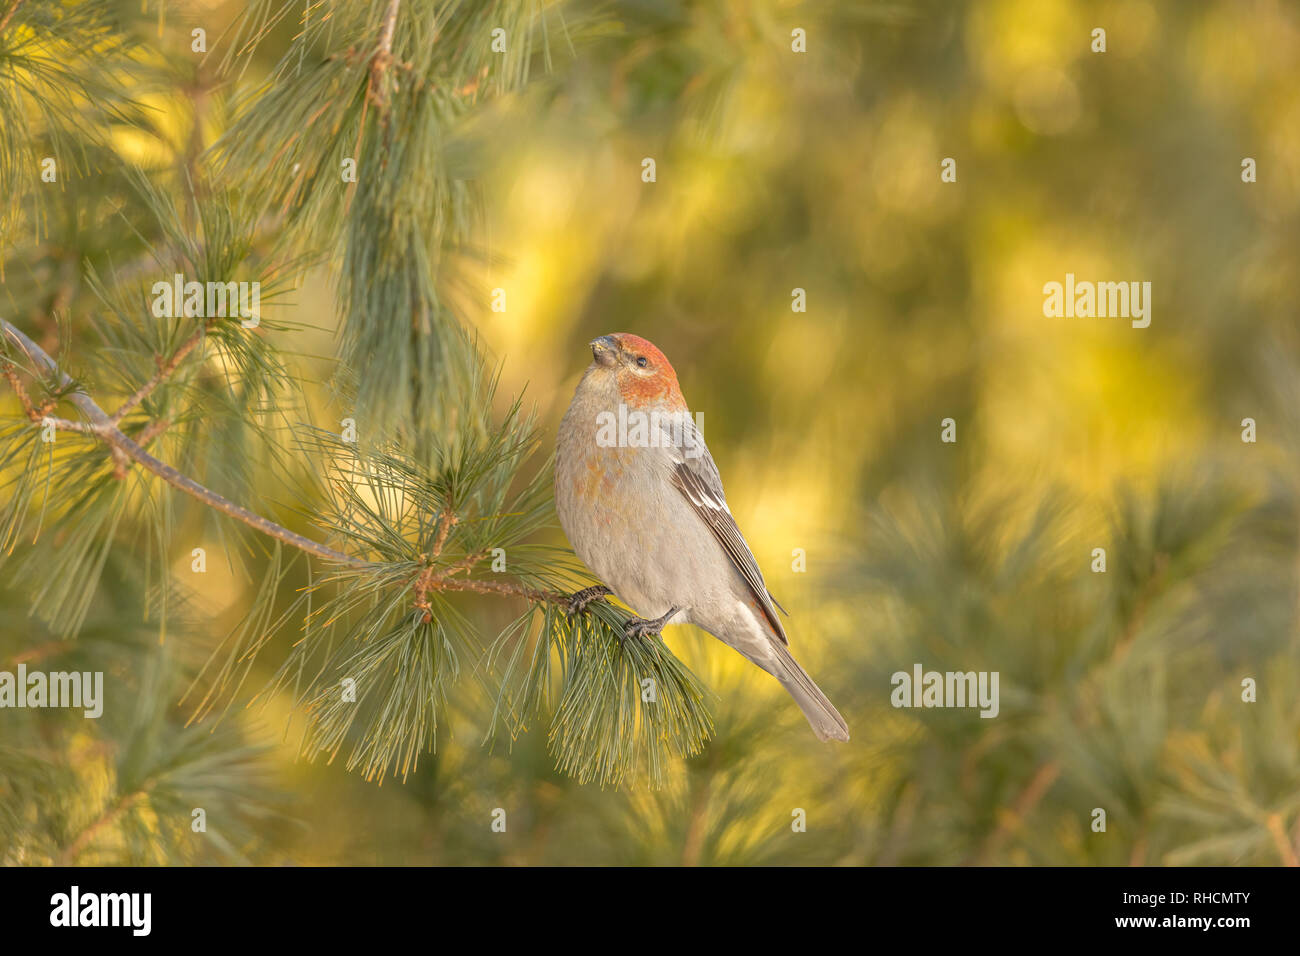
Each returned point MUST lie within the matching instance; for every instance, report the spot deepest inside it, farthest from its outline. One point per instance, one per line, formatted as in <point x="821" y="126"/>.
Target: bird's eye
<point x="641" y="360"/>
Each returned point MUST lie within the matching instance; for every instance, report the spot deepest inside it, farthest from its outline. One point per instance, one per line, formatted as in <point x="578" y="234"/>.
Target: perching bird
<point x="640" y="498"/>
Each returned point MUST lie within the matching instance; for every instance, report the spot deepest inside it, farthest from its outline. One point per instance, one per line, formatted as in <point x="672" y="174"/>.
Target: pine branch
<point x="165" y="369"/>
<point x="1277" y="830"/>
<point x="411" y="532"/>
<point x="383" y="57"/>
<point x="13" y="8"/>
<point x="1013" y="819"/>
<point x="77" y="846"/>
<point x="103" y="428"/>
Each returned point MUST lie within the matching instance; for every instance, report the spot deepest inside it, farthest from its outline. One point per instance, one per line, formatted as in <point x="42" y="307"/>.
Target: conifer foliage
<point x="137" y="422"/>
<point x="261" y="472"/>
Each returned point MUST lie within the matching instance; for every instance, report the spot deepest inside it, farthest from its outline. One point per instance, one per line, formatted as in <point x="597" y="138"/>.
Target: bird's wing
<point x="696" y="476"/>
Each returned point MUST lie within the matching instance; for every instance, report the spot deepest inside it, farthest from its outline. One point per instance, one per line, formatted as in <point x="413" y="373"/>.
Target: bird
<point x="639" y="496"/>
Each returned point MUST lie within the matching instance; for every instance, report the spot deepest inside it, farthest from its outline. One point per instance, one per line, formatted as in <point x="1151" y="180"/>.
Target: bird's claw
<point x="579" y="600"/>
<point x="640" y="627"/>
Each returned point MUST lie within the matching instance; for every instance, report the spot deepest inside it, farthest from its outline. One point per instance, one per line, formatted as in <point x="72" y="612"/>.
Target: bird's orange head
<point x="644" y="375"/>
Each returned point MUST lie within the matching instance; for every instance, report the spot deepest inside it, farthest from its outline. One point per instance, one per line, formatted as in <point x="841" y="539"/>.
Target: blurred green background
<point x="821" y="171"/>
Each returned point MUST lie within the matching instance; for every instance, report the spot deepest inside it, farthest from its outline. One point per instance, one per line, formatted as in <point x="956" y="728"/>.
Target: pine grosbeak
<point x="640" y="498"/>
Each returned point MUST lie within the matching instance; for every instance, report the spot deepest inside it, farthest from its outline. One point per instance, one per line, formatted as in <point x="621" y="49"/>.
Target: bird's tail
<point x="826" y="721"/>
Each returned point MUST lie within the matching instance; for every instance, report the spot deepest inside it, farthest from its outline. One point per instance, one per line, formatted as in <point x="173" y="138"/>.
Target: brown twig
<point x="78" y="845"/>
<point x="100" y="426"/>
<point x="19" y="390"/>
<point x="1012" y="819"/>
<point x="439" y="577"/>
<point x="696" y="827"/>
<point x="427" y="579"/>
<point x="13" y="8"/>
<point x="383" y="57"/>
<point x="40" y="652"/>
<point x="390" y="24"/>
<point x="165" y="370"/>
<point x="540" y="595"/>
<point x="446" y="521"/>
<point x="1278" y="832"/>
<point x="152" y="431"/>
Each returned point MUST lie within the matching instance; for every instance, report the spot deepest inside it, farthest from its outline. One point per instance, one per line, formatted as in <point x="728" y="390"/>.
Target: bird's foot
<point x="643" y="627"/>
<point x="579" y="600"/>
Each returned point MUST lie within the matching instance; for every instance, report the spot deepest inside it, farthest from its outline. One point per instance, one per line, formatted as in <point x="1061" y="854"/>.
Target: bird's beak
<point x="604" y="350"/>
